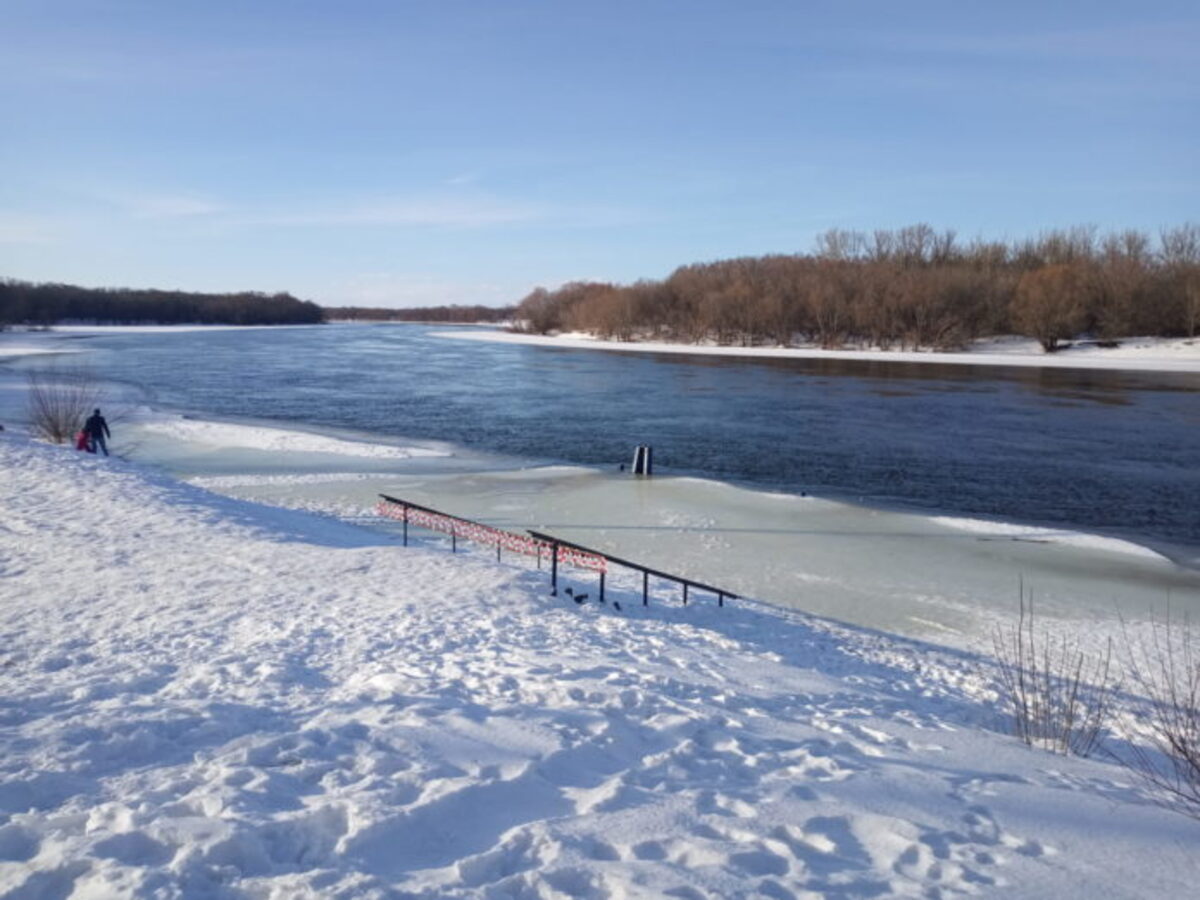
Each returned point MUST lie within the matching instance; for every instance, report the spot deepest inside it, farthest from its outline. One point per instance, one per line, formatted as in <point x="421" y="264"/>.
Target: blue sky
<point x="396" y="153"/>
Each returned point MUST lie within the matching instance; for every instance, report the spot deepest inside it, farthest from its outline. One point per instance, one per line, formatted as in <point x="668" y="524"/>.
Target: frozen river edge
<point x="946" y="578"/>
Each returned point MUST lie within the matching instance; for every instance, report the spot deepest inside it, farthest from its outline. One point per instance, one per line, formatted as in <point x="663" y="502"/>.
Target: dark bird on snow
<point x="570" y="592"/>
<point x="617" y="605"/>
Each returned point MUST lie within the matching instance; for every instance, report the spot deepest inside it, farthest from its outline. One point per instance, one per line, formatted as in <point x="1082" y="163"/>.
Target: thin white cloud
<point x="446" y="209"/>
<point x="22" y="228"/>
<point x="166" y="206"/>
<point x="152" y="204"/>
<point x="461" y="212"/>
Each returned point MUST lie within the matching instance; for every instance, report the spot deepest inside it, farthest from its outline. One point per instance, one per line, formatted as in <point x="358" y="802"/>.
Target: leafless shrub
<point x="1164" y="668"/>
<point x="1060" y="697"/>
<point x="60" y="400"/>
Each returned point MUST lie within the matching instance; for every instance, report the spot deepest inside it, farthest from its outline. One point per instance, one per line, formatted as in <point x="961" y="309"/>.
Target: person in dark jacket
<point x="97" y="430"/>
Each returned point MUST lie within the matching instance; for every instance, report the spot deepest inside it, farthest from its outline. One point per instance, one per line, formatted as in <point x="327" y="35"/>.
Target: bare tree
<point x="1180" y="252"/>
<point x="839" y="244"/>
<point x="1050" y="304"/>
<point x="60" y="400"/>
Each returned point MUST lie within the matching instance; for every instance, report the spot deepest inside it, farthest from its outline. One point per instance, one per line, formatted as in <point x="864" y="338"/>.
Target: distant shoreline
<point x="1134" y="354"/>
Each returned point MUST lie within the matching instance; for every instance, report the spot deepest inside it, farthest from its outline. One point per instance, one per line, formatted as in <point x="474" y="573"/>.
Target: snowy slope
<point x="201" y="697"/>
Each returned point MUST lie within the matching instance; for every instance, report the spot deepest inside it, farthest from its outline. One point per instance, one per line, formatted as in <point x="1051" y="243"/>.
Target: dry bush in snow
<point x="59" y="402"/>
<point x="1059" y="696"/>
<point x="1164" y="669"/>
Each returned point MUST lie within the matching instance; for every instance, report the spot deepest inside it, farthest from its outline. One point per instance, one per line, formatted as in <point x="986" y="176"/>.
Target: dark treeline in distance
<point x="912" y="288"/>
<point x="25" y="303"/>
<point x="455" y="314"/>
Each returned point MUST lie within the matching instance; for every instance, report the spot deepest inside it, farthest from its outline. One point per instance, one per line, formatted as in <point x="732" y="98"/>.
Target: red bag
<point x="82" y="442"/>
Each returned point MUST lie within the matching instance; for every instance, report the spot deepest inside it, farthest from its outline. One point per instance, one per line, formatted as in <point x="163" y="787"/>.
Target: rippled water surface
<point x="1094" y="450"/>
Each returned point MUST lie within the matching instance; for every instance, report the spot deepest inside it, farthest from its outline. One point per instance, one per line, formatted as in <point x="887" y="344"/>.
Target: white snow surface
<point x="1137" y="354"/>
<point x="12" y="351"/>
<point x="204" y="697"/>
<point x="229" y="435"/>
<point x="1036" y="534"/>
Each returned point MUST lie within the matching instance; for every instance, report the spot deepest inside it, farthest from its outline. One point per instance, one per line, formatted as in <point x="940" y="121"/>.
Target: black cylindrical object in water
<point x="643" y="460"/>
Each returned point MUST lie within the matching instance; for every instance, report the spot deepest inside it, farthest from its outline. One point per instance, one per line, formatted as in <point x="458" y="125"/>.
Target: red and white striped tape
<point x="484" y="534"/>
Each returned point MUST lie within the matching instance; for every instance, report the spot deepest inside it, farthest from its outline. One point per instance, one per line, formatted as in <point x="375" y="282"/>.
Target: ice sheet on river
<point x="933" y="576"/>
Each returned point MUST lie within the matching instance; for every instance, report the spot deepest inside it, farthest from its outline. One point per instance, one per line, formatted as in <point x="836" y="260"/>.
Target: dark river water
<point x="1111" y="451"/>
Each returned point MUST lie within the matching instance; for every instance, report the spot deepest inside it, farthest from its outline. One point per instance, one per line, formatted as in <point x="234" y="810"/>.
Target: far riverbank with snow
<point x="1133" y="354"/>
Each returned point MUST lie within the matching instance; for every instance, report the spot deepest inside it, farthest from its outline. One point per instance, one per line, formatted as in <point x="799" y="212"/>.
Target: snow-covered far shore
<point x="204" y="697"/>
<point x="1134" y="354"/>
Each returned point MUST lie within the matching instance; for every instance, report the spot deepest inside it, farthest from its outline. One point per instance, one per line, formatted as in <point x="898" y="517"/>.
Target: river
<point x="907" y="497"/>
<point x="1096" y="450"/>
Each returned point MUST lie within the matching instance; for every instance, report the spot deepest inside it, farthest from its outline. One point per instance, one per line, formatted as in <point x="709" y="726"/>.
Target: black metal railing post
<point x="686" y="583"/>
<point x="405" y="524"/>
<point x="601" y="587"/>
<point x="554" y="569"/>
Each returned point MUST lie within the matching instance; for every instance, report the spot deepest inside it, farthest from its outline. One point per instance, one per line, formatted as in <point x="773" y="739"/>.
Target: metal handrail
<point x="645" y="570"/>
<point x="556" y="542"/>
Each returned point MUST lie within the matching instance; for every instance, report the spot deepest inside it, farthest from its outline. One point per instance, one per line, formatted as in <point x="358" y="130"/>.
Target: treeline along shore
<point x="912" y="288"/>
<point x="26" y="303"/>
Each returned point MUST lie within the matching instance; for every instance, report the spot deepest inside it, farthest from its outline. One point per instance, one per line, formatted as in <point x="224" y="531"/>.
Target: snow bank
<point x="8" y="351"/>
<point x="202" y="697"/>
<point x="1016" y="532"/>
<point x="275" y="440"/>
<point x="12" y="348"/>
<point x="1139" y="354"/>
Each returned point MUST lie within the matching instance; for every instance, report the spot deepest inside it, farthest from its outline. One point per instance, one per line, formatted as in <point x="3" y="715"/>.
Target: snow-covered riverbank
<point x="1133" y="354"/>
<point x="204" y="697"/>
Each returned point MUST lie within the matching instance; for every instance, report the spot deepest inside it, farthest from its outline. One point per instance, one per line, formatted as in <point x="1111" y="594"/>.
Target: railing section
<point x="535" y="544"/>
